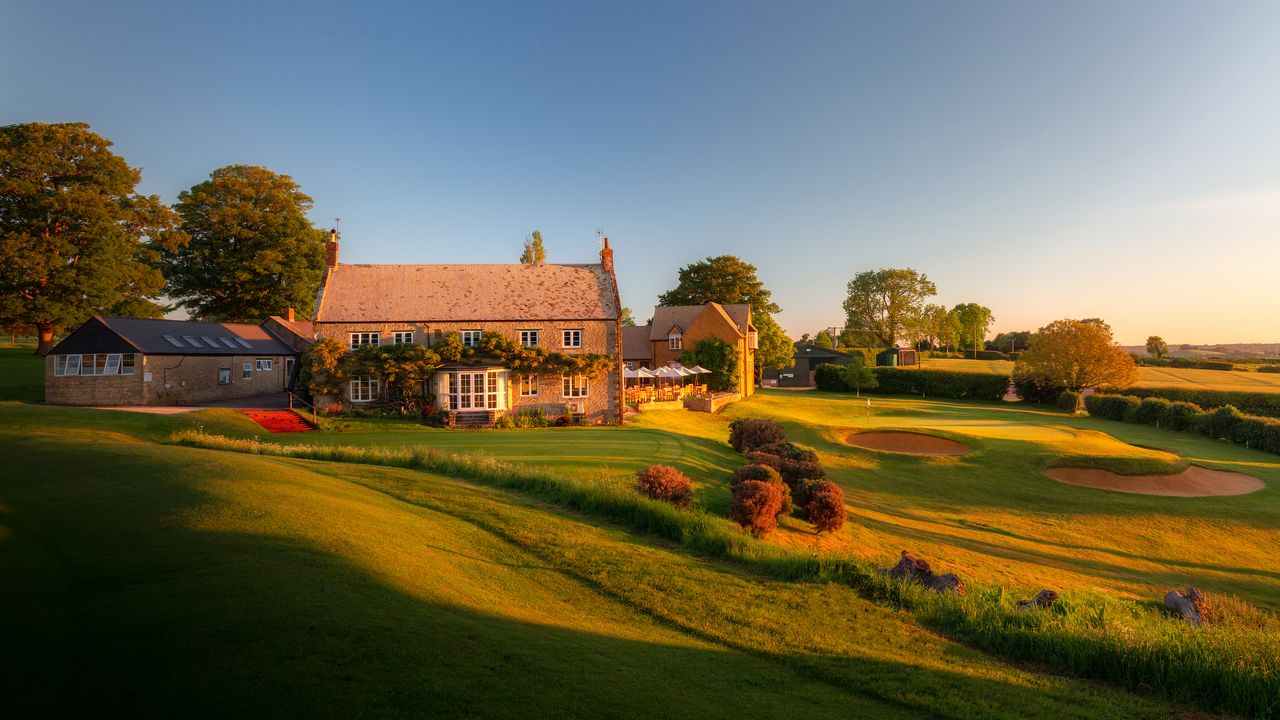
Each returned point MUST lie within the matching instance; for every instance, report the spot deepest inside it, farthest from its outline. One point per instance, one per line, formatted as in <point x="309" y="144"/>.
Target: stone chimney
<point x="606" y="256"/>
<point x="331" y="251"/>
<point x="288" y="314"/>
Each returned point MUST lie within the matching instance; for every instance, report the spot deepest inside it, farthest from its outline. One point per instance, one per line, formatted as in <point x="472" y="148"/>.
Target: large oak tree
<point x="252" y="253"/>
<point x="1073" y="355"/>
<point x="728" y="280"/>
<point x="889" y="304"/>
<point x="76" y="238"/>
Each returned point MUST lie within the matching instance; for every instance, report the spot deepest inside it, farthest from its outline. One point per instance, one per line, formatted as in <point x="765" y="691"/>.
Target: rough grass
<point x="1231" y="667"/>
<point x="21" y="373"/>
<point x="154" y="581"/>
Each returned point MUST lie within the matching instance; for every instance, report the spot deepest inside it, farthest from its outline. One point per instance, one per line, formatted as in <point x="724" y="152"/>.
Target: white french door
<point x="472" y="391"/>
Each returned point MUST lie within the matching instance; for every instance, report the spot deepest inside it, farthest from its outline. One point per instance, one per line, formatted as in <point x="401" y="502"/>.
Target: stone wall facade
<point x="168" y="380"/>
<point x="598" y="336"/>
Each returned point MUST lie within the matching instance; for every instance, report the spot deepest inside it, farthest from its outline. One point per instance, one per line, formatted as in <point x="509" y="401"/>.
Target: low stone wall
<point x="711" y="404"/>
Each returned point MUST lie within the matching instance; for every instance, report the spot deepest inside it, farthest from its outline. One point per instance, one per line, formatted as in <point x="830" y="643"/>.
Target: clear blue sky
<point x="1057" y="160"/>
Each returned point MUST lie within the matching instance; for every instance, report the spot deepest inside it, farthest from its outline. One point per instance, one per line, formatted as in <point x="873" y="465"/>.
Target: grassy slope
<point x="242" y="585"/>
<point x="1231" y="380"/>
<point x="21" y="373"/>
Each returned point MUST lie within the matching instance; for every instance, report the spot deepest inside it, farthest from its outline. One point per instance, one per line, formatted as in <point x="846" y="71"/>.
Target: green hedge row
<point x="1225" y="423"/>
<point x="929" y="383"/>
<point x="979" y="355"/>
<point x="1250" y="403"/>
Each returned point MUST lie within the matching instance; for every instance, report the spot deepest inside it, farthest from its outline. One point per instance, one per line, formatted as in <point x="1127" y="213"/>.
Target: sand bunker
<point x="1195" y="481"/>
<point x="907" y="442"/>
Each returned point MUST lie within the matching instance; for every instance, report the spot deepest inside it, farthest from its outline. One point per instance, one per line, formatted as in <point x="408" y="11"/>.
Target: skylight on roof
<point x="212" y="343"/>
<point x="174" y="341"/>
<point x="243" y="344"/>
<point x="228" y="343"/>
<point x="192" y="341"/>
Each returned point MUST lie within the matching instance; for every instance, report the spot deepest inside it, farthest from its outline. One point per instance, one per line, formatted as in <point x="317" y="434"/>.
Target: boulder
<point x="918" y="570"/>
<point x="1043" y="599"/>
<point x="1191" y="605"/>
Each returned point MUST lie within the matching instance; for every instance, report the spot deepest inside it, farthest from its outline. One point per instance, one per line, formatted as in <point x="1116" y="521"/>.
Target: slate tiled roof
<point x="683" y="316"/>
<point x="409" y="293"/>
<point x="636" y="344"/>
<point x="148" y="336"/>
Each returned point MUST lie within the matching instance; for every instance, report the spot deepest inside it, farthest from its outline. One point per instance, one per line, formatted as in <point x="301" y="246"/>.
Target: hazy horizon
<point x="1047" y="161"/>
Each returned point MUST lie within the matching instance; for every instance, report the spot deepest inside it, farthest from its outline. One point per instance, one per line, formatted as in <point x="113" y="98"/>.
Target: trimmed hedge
<point x="1224" y="423"/>
<point x="1112" y="407"/>
<point x="1269" y="368"/>
<point x="1250" y="403"/>
<point x="939" y="383"/>
<point x="830" y="377"/>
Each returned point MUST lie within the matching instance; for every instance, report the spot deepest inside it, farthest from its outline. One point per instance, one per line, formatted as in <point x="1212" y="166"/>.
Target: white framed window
<point x="264" y="363"/>
<point x="471" y="338"/>
<point x="572" y="338"/>
<point x="126" y="363"/>
<point x="73" y="364"/>
<point x="574" y="386"/>
<point x="365" y="338"/>
<point x="529" y="338"/>
<point x="528" y="386"/>
<point x="365" y="388"/>
<point x="60" y="364"/>
<point x="630" y="364"/>
<point x="113" y="365"/>
<point x="753" y="339"/>
<point x="476" y="390"/>
<point x="675" y="341"/>
<point x="100" y="364"/>
<point x="224" y="376"/>
<point x="246" y="371"/>
<point x="402" y="338"/>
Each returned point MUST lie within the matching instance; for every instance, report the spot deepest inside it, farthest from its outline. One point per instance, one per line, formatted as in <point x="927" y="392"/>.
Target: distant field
<point x="1232" y="380"/>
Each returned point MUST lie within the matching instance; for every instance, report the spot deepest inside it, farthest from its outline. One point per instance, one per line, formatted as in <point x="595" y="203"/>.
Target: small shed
<point x="808" y="356"/>
<point x="896" y="357"/>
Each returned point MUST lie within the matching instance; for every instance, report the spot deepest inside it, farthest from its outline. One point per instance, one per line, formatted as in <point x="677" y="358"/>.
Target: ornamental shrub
<point x="749" y="434"/>
<point x="758" y="457"/>
<point x="1152" y="411"/>
<point x="789" y="451"/>
<point x="825" y="506"/>
<point x="795" y="472"/>
<point x="756" y="506"/>
<point x="1069" y="401"/>
<point x="663" y="482"/>
<point x="763" y="473"/>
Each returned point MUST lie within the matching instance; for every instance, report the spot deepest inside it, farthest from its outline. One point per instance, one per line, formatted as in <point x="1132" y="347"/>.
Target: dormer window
<point x="675" y="341"/>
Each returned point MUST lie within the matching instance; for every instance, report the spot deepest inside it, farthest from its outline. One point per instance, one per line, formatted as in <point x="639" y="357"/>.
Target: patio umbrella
<point x="698" y="369"/>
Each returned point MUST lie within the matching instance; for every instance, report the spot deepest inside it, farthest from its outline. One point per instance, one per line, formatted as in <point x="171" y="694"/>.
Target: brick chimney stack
<point x="288" y="314"/>
<point x="331" y="249"/>
<point x="606" y="256"/>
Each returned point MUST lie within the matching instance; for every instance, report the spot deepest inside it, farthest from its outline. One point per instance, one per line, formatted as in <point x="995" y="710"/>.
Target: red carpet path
<point x="279" y="421"/>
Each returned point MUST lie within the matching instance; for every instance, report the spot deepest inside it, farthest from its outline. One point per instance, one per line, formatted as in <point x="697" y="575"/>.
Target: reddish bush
<point x="763" y="473"/>
<point x="756" y="506"/>
<point x="663" y="482"/>
<point x="748" y="434"/>
<point x="789" y="451"/>
<point x="795" y="472"/>
<point x="824" y="506"/>
<point x="766" y="474"/>
<point x="764" y="458"/>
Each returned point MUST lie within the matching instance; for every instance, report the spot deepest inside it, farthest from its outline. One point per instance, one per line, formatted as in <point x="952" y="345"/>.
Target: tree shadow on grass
<point x="133" y="610"/>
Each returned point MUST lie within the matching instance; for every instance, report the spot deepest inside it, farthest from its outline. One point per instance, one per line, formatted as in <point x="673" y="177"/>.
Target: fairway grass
<point x="1148" y="376"/>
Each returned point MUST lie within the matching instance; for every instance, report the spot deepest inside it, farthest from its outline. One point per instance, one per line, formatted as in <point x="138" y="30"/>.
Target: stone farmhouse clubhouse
<point x="573" y="309"/>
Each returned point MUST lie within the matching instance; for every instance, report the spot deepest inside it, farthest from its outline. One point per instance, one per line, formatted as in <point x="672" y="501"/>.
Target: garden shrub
<point x="663" y="482"/>
<point x="756" y="506"/>
<point x="1152" y="411"/>
<point x="749" y="434"/>
<point x="824" y="506"/>
<point x="1069" y="401"/>
<point x="1112" y="407"/>
<point x="758" y="457"/>
<point x="795" y="472"/>
<point x="762" y="473"/>
<point x="789" y="451"/>
<point x="830" y="378"/>
<point x="1014" y="355"/>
